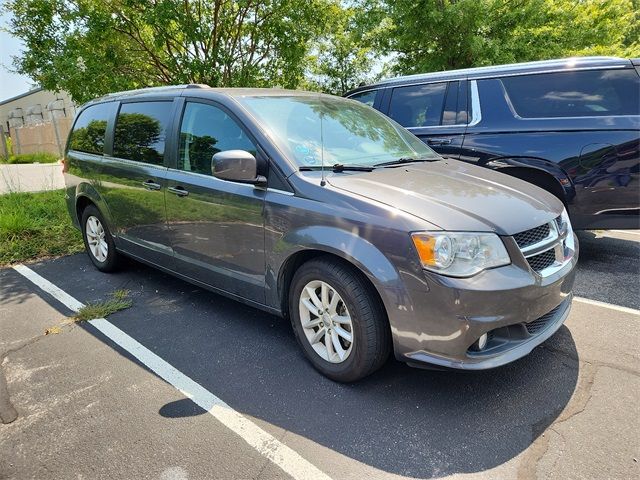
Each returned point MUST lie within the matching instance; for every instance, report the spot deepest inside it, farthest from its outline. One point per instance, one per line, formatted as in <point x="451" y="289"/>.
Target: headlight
<point x="564" y="227"/>
<point x="460" y="254"/>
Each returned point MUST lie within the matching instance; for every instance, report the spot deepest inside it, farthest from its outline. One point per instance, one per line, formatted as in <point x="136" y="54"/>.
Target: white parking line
<point x="267" y="445"/>
<point x="611" y="306"/>
<point x="627" y="232"/>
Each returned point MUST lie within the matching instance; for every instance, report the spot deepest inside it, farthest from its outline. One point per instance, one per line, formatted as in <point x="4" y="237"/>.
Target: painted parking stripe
<point x="627" y="232"/>
<point x="266" y="444"/>
<point x="57" y="293"/>
<point x="611" y="306"/>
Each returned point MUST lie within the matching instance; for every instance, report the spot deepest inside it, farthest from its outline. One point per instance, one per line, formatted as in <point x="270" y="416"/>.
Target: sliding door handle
<point x="179" y="191"/>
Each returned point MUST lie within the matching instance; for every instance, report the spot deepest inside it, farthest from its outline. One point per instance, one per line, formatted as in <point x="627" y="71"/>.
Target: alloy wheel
<point x="326" y="321"/>
<point x="96" y="239"/>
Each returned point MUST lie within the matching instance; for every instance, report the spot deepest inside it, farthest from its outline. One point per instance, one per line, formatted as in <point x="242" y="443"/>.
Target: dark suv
<point x="570" y="126"/>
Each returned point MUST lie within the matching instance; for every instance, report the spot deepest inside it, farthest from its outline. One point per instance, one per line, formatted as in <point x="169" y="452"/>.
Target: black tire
<point x="113" y="258"/>
<point x="370" y="326"/>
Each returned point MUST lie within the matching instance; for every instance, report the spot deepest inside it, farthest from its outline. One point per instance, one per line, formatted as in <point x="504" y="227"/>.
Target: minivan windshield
<point x="311" y="130"/>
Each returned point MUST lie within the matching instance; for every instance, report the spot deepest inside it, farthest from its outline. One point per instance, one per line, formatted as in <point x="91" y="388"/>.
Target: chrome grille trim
<point x="542" y="245"/>
<point x="545" y="256"/>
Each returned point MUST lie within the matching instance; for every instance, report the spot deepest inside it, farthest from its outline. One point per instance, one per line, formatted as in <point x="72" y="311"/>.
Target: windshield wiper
<point x="403" y="160"/>
<point x="339" y="167"/>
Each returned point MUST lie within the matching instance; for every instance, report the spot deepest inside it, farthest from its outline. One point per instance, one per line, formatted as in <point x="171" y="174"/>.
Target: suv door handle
<point x="151" y="185"/>
<point x="179" y="191"/>
<point x="439" y="141"/>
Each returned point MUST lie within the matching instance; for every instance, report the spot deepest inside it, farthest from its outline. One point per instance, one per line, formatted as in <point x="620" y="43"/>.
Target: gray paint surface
<point x="238" y="239"/>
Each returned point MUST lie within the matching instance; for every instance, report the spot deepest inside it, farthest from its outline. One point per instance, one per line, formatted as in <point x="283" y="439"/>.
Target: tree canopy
<point x="91" y="47"/>
<point x="428" y="35"/>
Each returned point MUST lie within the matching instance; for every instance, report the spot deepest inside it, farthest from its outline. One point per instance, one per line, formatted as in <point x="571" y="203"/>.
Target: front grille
<point x="540" y="323"/>
<point x="530" y="237"/>
<point x="543" y="260"/>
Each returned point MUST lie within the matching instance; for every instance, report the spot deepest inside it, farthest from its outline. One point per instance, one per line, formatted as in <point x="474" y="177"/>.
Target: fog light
<point x="481" y="342"/>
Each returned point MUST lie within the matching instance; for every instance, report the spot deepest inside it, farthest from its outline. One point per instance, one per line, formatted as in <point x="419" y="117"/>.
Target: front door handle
<point x="439" y="141"/>
<point x="151" y="185"/>
<point x="179" y="191"/>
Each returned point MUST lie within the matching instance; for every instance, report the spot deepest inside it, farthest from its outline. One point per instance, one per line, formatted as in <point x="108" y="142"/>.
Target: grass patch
<point x="34" y="225"/>
<point x="31" y="158"/>
<point x="119" y="300"/>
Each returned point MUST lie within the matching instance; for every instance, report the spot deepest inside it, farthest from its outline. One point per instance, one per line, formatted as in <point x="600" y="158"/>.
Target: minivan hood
<point x="455" y="196"/>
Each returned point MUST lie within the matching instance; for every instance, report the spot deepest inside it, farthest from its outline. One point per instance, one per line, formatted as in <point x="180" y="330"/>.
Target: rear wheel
<point x="98" y="240"/>
<point x="338" y="320"/>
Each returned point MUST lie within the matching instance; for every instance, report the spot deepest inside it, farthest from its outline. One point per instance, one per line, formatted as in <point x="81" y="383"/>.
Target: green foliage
<point x="118" y="300"/>
<point x="345" y="54"/>
<point x="8" y="146"/>
<point x="35" y="225"/>
<point x="431" y="35"/>
<point x="91" y="47"/>
<point x="31" y="158"/>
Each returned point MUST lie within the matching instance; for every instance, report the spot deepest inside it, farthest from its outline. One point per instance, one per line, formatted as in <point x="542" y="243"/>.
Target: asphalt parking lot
<point x="91" y="404"/>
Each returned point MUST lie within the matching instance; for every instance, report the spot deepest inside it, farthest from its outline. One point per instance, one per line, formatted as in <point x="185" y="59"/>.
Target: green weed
<point x="119" y="300"/>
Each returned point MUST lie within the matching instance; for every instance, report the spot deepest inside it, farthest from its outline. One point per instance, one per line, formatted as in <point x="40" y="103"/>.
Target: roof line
<point x="26" y="94"/>
<point x="571" y="62"/>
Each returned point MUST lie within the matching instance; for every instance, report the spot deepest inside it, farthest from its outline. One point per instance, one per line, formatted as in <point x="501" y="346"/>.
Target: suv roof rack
<point x="571" y="62"/>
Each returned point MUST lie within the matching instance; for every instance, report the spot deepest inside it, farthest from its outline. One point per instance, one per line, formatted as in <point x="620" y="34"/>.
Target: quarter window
<point x="418" y="105"/>
<point x="206" y="130"/>
<point x="141" y="129"/>
<point x="89" y="129"/>
<point x="575" y="94"/>
<point x="368" y="98"/>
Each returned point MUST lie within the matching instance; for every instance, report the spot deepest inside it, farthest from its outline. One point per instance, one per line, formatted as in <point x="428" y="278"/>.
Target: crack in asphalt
<point x="596" y="363"/>
<point x="527" y="469"/>
<point x="8" y="413"/>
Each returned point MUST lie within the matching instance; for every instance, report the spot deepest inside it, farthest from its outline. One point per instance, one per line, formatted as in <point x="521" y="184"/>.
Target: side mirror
<point x="236" y="166"/>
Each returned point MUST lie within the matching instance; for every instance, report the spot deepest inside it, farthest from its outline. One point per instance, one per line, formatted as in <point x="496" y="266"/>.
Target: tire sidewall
<point x="346" y="371"/>
<point x="110" y="262"/>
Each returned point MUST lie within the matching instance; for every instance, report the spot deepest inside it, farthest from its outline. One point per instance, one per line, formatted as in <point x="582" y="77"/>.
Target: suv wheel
<point x="339" y="322"/>
<point x="98" y="240"/>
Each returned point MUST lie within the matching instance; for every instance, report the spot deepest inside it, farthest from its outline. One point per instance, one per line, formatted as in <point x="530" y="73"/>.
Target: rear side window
<point x="368" y="98"/>
<point x="418" y="105"/>
<point x="575" y="94"/>
<point x="89" y="130"/>
<point x="141" y="129"/>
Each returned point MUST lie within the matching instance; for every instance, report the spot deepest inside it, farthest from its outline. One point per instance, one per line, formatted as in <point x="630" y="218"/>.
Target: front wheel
<point x="338" y="320"/>
<point x="98" y="241"/>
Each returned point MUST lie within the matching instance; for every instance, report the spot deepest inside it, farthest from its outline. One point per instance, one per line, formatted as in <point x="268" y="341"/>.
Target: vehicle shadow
<point x="608" y="269"/>
<point x="400" y="420"/>
<point x="599" y="248"/>
<point x="14" y="288"/>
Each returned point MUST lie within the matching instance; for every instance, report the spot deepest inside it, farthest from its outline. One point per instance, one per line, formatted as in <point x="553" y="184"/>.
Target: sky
<point x="11" y="84"/>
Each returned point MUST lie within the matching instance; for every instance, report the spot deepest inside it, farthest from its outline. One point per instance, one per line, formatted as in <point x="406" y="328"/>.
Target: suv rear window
<point x="89" y="130"/>
<point x="141" y="129"/>
<point x="575" y="94"/>
<point x="418" y="105"/>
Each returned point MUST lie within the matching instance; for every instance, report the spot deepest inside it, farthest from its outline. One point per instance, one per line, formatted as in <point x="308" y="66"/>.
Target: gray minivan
<point x="325" y="211"/>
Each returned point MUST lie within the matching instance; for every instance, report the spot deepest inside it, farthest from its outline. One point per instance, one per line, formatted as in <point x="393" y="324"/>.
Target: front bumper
<point x="505" y="345"/>
<point x="516" y="308"/>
